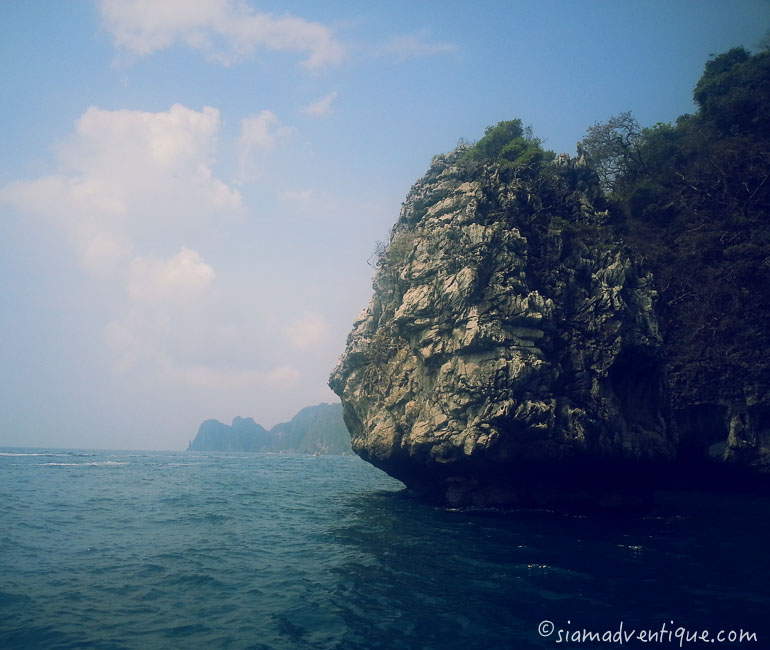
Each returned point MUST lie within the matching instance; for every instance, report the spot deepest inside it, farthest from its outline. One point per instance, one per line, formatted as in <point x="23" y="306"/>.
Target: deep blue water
<point x="161" y="550"/>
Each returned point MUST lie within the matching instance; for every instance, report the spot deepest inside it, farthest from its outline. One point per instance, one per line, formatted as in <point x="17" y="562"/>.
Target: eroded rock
<point x="510" y="354"/>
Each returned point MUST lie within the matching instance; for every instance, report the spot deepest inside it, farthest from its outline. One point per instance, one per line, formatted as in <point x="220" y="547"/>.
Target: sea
<point x="164" y="550"/>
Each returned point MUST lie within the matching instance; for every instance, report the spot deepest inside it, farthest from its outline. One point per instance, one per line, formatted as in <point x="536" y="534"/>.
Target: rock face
<point x="510" y="354"/>
<point x="314" y="430"/>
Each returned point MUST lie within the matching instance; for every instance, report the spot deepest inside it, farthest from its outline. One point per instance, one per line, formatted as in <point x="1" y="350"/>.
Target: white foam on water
<point x="3" y="453"/>
<point x="94" y="464"/>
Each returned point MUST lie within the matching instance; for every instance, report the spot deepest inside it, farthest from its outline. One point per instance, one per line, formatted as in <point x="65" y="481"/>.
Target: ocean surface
<point x="147" y="550"/>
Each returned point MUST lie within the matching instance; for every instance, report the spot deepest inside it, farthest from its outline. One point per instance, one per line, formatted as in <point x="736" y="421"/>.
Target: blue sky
<point x="190" y="190"/>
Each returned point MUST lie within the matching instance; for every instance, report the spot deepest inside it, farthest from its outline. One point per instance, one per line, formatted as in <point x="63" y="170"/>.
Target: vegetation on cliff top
<point x="693" y="199"/>
<point x="511" y="145"/>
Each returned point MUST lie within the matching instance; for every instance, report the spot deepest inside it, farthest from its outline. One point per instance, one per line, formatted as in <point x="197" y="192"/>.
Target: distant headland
<point x="314" y="430"/>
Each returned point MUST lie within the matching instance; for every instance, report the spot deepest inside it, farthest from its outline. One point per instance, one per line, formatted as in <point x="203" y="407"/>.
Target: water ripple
<point x="156" y="551"/>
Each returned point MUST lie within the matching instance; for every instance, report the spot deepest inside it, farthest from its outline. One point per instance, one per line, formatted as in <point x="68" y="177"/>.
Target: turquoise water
<point x="159" y="550"/>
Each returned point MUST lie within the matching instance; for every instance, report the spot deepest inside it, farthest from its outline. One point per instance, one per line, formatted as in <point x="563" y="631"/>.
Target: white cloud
<point x="129" y="182"/>
<point x="186" y="336"/>
<point x="101" y="251"/>
<point x="181" y="276"/>
<point x="165" y="140"/>
<point x="137" y="198"/>
<point x="322" y="106"/>
<point x="225" y="30"/>
<point x="307" y="331"/>
<point x="262" y="131"/>
<point x="415" y="45"/>
<point x="176" y="346"/>
<point x="164" y="319"/>
<point x="259" y="134"/>
<point x="125" y="175"/>
<point x="178" y="330"/>
<point x="86" y="209"/>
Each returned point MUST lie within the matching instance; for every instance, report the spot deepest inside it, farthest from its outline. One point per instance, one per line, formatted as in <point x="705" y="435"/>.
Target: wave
<point x="50" y="454"/>
<point x="103" y="463"/>
<point x="5" y="453"/>
<point x="279" y="553"/>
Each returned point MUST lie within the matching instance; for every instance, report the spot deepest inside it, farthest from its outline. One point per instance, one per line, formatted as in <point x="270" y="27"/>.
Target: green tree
<point x="511" y="145"/>
<point x="733" y="94"/>
<point x="695" y="200"/>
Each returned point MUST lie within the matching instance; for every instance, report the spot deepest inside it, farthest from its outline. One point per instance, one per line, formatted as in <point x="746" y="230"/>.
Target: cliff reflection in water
<point x="415" y="576"/>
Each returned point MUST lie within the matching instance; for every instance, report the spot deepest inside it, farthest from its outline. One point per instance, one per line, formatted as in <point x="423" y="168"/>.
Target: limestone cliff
<point x="510" y="353"/>
<point x="693" y="199"/>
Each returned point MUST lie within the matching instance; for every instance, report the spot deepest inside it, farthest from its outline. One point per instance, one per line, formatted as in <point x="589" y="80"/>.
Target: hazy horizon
<point x="190" y="192"/>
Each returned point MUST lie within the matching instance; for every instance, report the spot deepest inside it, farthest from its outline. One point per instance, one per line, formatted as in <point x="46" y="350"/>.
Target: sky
<point x="190" y="191"/>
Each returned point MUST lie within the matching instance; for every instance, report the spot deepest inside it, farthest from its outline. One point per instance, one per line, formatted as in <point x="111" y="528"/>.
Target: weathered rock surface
<point x="510" y="354"/>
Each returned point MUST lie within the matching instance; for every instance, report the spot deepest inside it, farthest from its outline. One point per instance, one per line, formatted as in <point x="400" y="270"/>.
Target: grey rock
<point x="510" y="354"/>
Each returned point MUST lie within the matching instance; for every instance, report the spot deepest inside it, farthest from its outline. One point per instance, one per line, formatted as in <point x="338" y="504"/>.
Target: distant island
<point x="314" y="430"/>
